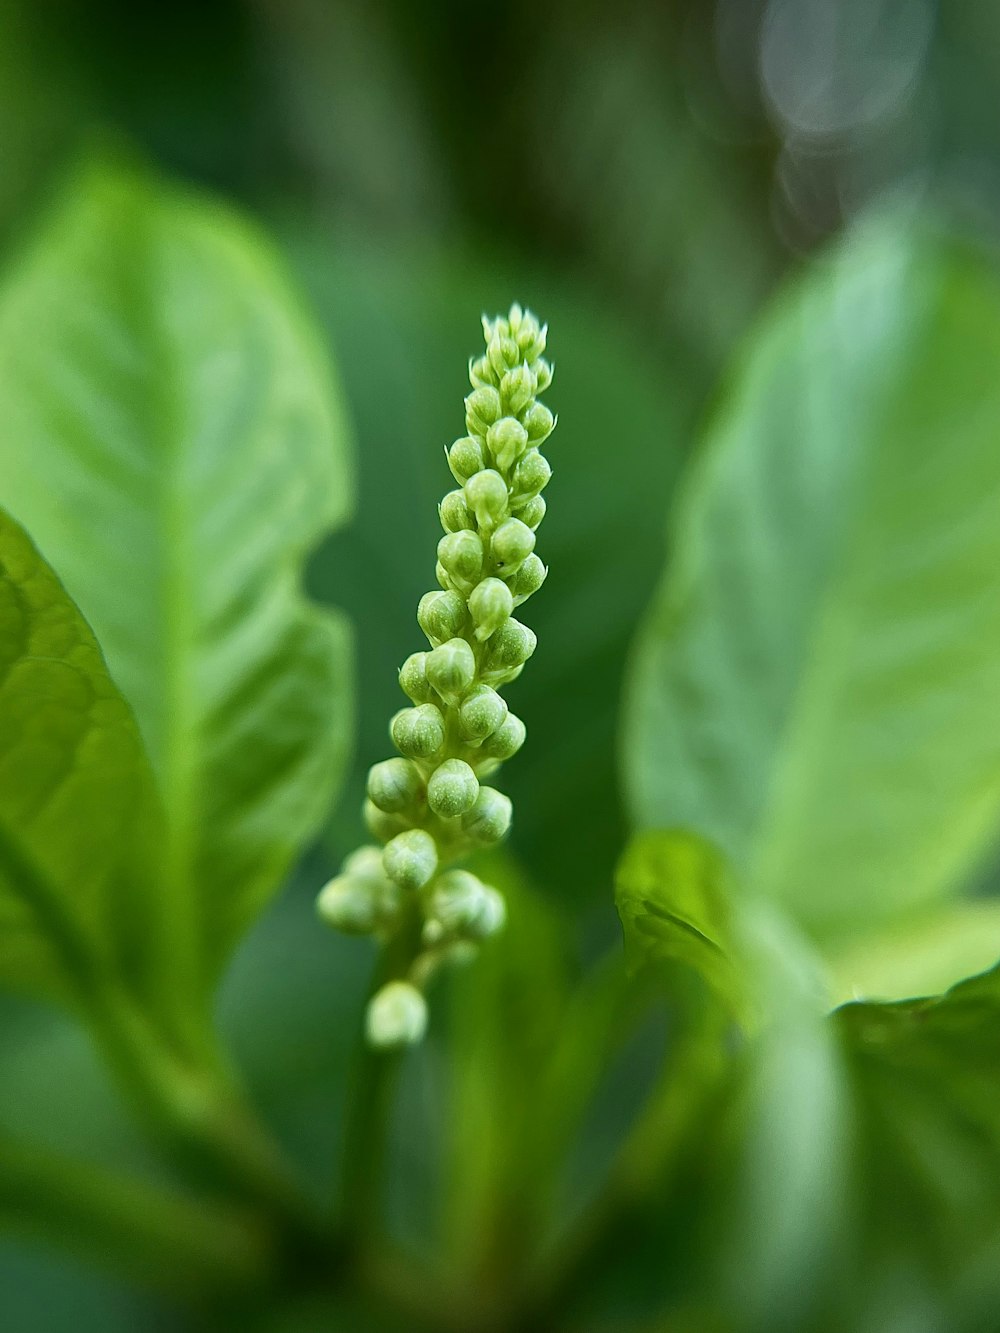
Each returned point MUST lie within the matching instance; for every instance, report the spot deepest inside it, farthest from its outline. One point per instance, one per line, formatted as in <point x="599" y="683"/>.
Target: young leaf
<point x="175" y="444"/>
<point x="812" y="687"/>
<point x="79" y="831"/>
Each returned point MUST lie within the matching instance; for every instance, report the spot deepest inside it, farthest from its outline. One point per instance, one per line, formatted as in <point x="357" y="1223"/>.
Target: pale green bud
<point x="454" y="512"/>
<point x="465" y="458"/>
<point x="490" y="602"/>
<point x="512" y="543"/>
<point x="506" y="440"/>
<point x="531" y="339"/>
<point x="515" y="317"/>
<point x="506" y="740"/>
<point x="366" y="864"/>
<point x="349" y="905"/>
<point x="543" y="375"/>
<point x="394" y="785"/>
<point x="482" y="408"/>
<point x="457" y="900"/>
<point x="486" y="496"/>
<point x="413" y="679"/>
<point x="539" y="423"/>
<point x="410" y="858"/>
<point x="492" y="915"/>
<point x="396" y="1016"/>
<point x="501" y="351"/>
<point x="451" y="668"/>
<point x="517" y="388"/>
<point x="533" y="512"/>
<point x="531" y="476"/>
<point x="508" y="650"/>
<point x="441" y="615"/>
<point x="418" y="732"/>
<point x="380" y="825"/>
<point x="452" y="789"/>
<point x="461" y="555"/>
<point x="488" y="819"/>
<point x="528" y="579"/>
<point x="482" y="711"/>
<point x="481" y="373"/>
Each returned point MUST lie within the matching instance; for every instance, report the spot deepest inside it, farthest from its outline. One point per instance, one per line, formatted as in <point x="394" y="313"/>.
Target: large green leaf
<point x="79" y="828"/>
<point x="816" y="686"/>
<point x="174" y="442"/>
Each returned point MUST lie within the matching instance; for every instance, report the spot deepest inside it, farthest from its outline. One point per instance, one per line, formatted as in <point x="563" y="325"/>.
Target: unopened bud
<point x="451" y="668"/>
<point x="517" y="388"/>
<point x="539" y="423"/>
<point x="381" y="825"/>
<point x="452" y="789"/>
<point x="348" y="905"/>
<point x="456" y="901"/>
<point x="396" y="1016"/>
<point x="482" y="711"/>
<point x="418" y="732"/>
<point x="528" y="579"/>
<point x="394" y="785"/>
<point x="410" y="858"/>
<point x="508" y="650"/>
<point x="441" y="615"/>
<point x="488" y="819"/>
<point x="413" y="678"/>
<point x="454" y="512"/>
<point x="465" y="458"/>
<point x="501" y="351"/>
<point x="486" y="496"/>
<point x="461" y="555"/>
<point x="481" y="373"/>
<point x="506" y="441"/>
<point x="543" y="375"/>
<point x="512" y="542"/>
<point x="533" y="512"/>
<point x="482" y="408"/>
<point x="531" y="476"/>
<point x="506" y="740"/>
<point x="491" y="603"/>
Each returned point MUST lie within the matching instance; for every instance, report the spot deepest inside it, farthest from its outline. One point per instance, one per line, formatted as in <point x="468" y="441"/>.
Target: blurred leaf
<point x="174" y="443"/>
<point x="79" y="828"/>
<point x="811" y="689"/>
<point x="674" y="900"/>
<point x="404" y="321"/>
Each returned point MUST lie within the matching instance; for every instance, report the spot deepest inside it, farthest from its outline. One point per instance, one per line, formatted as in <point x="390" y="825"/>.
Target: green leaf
<point x="813" y="687"/>
<point x="79" y="826"/>
<point x="174" y="442"/>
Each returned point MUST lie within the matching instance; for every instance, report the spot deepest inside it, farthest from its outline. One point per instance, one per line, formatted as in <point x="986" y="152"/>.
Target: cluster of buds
<point x="430" y="807"/>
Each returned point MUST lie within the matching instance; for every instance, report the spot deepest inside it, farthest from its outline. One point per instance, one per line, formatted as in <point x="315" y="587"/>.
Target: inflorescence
<point x="429" y="807"/>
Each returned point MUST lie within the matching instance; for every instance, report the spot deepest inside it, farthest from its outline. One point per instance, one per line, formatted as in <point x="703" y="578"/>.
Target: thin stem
<point x="164" y="1237"/>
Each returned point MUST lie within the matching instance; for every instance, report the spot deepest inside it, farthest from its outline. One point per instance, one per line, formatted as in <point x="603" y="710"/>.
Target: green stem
<point x="159" y="1236"/>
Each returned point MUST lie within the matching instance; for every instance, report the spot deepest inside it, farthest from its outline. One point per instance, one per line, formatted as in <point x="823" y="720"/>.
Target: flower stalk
<point x="429" y="807"/>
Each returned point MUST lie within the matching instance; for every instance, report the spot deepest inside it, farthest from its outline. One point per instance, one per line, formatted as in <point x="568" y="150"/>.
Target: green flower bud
<point x="531" y="339"/>
<point x="481" y="373"/>
<point x="517" y="388"/>
<point x="452" y="789"/>
<point x="454" y="512"/>
<point x="506" y="440"/>
<point x="451" y="668"/>
<point x="488" y="819"/>
<point x="492" y="914"/>
<point x="380" y="825"/>
<point x="441" y="615"/>
<point x="491" y="602"/>
<point x="508" y="650"/>
<point x="348" y="905"/>
<point x="482" y="408"/>
<point x="539" y="423"/>
<point x="543" y="375"/>
<point x="515" y="317"/>
<point x="413" y="679"/>
<point x="486" y="496"/>
<point x="528" y="579"/>
<point x="394" y="785"/>
<point x="506" y="740"/>
<point x="461" y="555"/>
<point x="457" y="900"/>
<point x="482" y="711"/>
<point x="410" y="858"/>
<point x="533" y="512"/>
<point x="501" y="351"/>
<point x="531" y="476"/>
<point x="465" y="458"/>
<point x="512" y="543"/>
<point x="396" y="1016"/>
<point x="418" y="732"/>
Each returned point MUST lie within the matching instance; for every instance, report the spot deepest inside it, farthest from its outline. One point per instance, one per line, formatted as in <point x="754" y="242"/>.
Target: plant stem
<point x="159" y="1236"/>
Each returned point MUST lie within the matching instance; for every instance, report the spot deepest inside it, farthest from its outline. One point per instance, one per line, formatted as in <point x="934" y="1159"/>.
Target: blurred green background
<point x="642" y="175"/>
